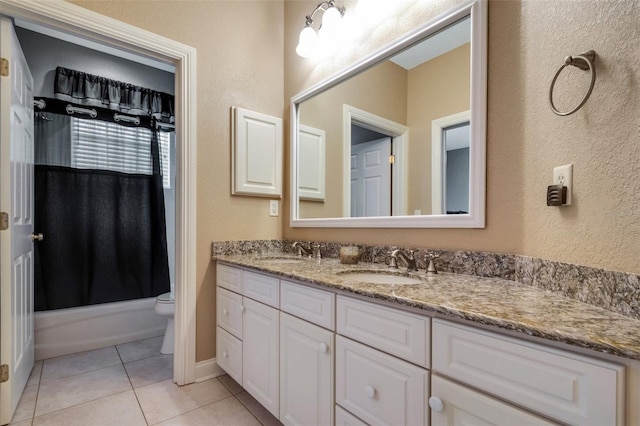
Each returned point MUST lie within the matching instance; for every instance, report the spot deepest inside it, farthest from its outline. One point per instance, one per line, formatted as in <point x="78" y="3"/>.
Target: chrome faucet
<point x="302" y="249"/>
<point x="408" y="258"/>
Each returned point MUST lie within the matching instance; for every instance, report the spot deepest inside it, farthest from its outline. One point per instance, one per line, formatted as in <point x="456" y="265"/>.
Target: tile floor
<point x="130" y="385"/>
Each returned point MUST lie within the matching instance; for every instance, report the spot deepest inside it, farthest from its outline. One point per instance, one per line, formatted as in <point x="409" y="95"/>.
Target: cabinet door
<point x="229" y="354"/>
<point x="260" y="352"/>
<point x="229" y="312"/>
<point x="453" y="405"/>
<point x="306" y="373"/>
<point x="379" y="388"/>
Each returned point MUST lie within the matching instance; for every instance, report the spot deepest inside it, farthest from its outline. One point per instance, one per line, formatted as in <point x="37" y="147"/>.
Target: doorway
<point x="91" y="26"/>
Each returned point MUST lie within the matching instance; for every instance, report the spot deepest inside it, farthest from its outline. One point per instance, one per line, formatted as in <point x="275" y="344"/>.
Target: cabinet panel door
<point x="229" y="312"/>
<point x="463" y="406"/>
<point x="229" y="354"/>
<point x="229" y="277"/>
<point x="310" y="304"/>
<point x="390" y="330"/>
<point x="561" y="385"/>
<point x="379" y="388"/>
<point x="260" y="355"/>
<point x="262" y="288"/>
<point x="306" y="373"/>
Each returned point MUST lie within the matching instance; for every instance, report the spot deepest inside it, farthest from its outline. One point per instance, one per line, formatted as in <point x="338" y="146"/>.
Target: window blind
<point x="107" y="146"/>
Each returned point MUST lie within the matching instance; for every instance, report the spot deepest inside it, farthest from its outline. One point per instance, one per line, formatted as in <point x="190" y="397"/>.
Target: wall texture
<point x="525" y="140"/>
<point x="240" y="62"/>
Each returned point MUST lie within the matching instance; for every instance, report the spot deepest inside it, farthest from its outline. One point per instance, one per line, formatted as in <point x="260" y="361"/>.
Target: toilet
<point x="165" y="307"/>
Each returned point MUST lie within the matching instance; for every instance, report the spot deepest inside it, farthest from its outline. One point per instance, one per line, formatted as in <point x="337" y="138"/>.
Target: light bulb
<point x="307" y="43"/>
<point x="330" y="20"/>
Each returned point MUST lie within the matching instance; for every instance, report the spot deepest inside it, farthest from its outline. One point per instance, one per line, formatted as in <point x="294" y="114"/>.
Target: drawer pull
<point x="225" y="354"/>
<point x="225" y="312"/>
<point x="242" y="308"/>
<point x="323" y="348"/>
<point x="436" y="404"/>
<point x="370" y="391"/>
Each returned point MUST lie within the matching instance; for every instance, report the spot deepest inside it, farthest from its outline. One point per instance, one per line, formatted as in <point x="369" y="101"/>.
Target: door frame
<point x="69" y="18"/>
<point x="400" y="135"/>
<point x="438" y="153"/>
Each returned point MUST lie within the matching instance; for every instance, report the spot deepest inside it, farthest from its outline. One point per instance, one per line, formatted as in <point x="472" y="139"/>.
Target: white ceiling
<point x="446" y="40"/>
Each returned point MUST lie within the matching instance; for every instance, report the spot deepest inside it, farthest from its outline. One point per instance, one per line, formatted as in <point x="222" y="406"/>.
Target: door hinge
<point x="4" y="373"/>
<point x="4" y="67"/>
<point x="392" y="159"/>
<point x="4" y="221"/>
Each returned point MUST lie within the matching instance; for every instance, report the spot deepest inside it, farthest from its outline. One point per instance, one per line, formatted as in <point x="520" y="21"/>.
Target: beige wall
<point x="388" y="100"/>
<point x="239" y="52"/>
<point x="525" y="140"/>
<point x="436" y="89"/>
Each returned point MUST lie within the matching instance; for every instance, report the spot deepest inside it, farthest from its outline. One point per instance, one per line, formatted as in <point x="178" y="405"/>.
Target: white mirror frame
<point x="477" y="9"/>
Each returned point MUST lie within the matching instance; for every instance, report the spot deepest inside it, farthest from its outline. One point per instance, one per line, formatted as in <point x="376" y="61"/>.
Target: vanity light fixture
<point x="312" y="44"/>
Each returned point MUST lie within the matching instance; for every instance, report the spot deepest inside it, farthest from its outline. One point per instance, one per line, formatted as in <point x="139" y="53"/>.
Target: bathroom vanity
<point x="315" y="345"/>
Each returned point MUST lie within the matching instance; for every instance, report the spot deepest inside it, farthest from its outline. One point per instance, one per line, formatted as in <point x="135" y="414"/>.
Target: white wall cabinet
<point x="306" y="373"/>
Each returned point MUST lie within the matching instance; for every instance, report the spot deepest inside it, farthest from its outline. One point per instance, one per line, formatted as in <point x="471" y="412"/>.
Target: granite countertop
<point x="490" y="301"/>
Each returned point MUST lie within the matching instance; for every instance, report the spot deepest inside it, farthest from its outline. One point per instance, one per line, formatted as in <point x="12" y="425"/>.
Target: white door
<point x="260" y="354"/>
<point x="16" y="199"/>
<point x="306" y="373"/>
<point x="371" y="178"/>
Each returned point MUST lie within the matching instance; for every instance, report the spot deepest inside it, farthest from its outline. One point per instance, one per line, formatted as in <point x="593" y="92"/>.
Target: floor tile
<point x="150" y="370"/>
<point x="229" y="411"/>
<point x="34" y="378"/>
<point x="140" y="349"/>
<point x="83" y="362"/>
<point x="58" y="394"/>
<point x="233" y="386"/>
<point x="119" y="409"/>
<point x="164" y="400"/>
<point x="262" y="414"/>
<point x="22" y="423"/>
<point x="26" y="405"/>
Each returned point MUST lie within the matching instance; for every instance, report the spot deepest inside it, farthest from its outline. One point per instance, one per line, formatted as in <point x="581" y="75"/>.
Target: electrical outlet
<point x="273" y="207"/>
<point x="563" y="175"/>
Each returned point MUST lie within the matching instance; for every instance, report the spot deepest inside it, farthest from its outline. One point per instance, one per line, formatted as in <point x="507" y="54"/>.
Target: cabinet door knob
<point x="225" y="312"/>
<point x="323" y="348"/>
<point x="242" y="308"/>
<point x="225" y="354"/>
<point x="370" y="391"/>
<point x="436" y="404"/>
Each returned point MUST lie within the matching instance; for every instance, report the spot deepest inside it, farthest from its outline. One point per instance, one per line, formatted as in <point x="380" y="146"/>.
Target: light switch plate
<point x="563" y="175"/>
<point x="273" y="207"/>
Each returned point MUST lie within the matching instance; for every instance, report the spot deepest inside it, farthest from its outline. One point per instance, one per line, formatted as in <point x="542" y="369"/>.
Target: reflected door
<point x="371" y="178"/>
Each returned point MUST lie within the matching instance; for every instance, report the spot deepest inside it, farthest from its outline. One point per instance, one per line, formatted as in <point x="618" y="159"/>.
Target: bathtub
<point x="66" y="331"/>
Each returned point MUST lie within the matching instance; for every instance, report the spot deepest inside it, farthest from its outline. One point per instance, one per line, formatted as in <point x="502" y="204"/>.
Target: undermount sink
<point x="381" y="278"/>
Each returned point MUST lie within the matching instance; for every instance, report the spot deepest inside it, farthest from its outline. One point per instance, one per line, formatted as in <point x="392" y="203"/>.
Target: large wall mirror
<point x="398" y="139"/>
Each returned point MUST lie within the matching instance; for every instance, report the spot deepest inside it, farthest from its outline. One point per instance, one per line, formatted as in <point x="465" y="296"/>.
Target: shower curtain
<point x="104" y="231"/>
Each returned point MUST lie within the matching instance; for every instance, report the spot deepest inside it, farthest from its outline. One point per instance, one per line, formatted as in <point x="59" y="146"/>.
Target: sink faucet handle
<point x="317" y="250"/>
<point x="431" y="267"/>
<point x="393" y="262"/>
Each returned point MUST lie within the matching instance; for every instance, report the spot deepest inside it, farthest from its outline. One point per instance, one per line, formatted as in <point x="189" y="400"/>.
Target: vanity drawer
<point x="379" y="388"/>
<point x="461" y="405"/>
<point x="313" y="305"/>
<point x="261" y="288"/>
<point x="229" y="277"/>
<point x="229" y="354"/>
<point x="345" y="418"/>
<point x="398" y="333"/>
<point x="229" y="312"/>
<point x="568" y="387"/>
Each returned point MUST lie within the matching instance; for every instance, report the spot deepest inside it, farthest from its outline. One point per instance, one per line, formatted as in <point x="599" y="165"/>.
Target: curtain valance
<point x="87" y="89"/>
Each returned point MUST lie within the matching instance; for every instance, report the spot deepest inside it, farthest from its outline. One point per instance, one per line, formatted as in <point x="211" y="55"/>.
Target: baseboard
<point x="208" y="369"/>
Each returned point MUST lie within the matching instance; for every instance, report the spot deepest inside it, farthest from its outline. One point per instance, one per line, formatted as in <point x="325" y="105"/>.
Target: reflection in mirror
<point x="380" y="129"/>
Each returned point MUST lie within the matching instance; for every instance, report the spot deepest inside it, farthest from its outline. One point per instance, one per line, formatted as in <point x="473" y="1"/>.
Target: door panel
<point x="371" y="179"/>
<point x="16" y="198"/>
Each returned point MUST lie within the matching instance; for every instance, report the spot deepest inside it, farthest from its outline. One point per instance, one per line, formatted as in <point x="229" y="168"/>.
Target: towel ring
<point x="584" y="61"/>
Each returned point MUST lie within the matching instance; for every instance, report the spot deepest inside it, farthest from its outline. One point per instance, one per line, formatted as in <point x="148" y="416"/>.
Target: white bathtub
<point x="67" y="331"/>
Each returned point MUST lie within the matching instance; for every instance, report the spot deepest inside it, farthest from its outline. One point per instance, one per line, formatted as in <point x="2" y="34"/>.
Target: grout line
<point x="195" y="409"/>
<point x="132" y="388"/>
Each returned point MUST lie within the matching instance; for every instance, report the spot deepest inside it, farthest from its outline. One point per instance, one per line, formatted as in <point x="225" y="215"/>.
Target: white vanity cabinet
<point x="276" y="338"/>
<point x="560" y="385"/>
<point x="381" y="360"/>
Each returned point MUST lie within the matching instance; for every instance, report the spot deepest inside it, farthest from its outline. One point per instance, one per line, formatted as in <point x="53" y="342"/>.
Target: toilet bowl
<point x="165" y="307"/>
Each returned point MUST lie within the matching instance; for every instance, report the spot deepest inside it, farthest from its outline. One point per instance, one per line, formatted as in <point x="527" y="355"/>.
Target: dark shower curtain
<point x="104" y="232"/>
